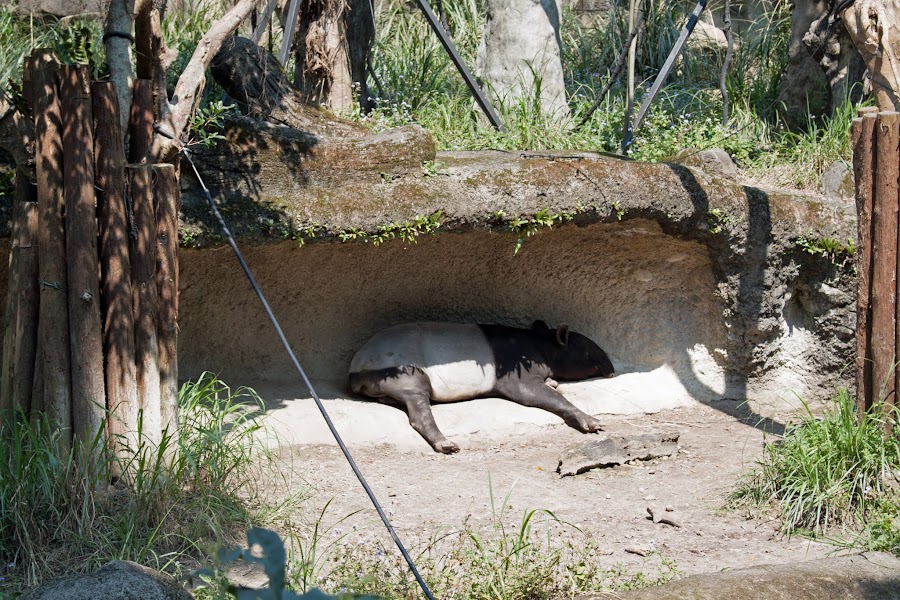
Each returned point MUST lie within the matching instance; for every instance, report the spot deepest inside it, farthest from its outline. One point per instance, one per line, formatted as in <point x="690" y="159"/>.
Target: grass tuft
<point x="838" y="470"/>
<point x="63" y="513"/>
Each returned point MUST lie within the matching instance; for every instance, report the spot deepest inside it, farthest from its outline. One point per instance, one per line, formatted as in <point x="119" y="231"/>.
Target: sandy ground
<point x="515" y="451"/>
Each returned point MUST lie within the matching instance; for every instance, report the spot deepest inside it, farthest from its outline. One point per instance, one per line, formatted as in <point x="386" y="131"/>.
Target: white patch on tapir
<point x="458" y="359"/>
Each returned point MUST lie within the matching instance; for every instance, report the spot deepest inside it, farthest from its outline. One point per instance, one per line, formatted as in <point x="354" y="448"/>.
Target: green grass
<point x="840" y="472"/>
<point x="60" y="513"/>
<point x="535" y="556"/>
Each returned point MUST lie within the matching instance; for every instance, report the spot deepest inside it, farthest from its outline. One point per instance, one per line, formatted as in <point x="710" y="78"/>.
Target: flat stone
<point x="611" y="450"/>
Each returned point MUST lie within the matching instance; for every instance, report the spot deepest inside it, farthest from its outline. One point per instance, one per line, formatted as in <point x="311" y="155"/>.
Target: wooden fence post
<point x="884" y="270"/>
<point x="88" y="386"/>
<point x="115" y="279"/>
<point x="145" y="301"/>
<point x="53" y="322"/>
<point x="863" y="135"/>
<point x="167" y="206"/>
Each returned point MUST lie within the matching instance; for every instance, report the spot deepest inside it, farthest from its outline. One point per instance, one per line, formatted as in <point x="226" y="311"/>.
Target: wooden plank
<point x="140" y="124"/>
<point x="168" y="200"/>
<point x="143" y="268"/>
<point x="53" y="321"/>
<point x="27" y="293"/>
<point x="85" y="329"/>
<point x="117" y="301"/>
<point x="863" y="135"/>
<point x="884" y="270"/>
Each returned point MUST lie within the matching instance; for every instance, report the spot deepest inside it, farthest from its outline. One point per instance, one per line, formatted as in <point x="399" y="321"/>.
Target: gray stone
<point x="714" y="161"/>
<point x="611" y="450"/>
<point x="837" y="182"/>
<point x="116" y="580"/>
<point x="61" y="8"/>
<point x="863" y="576"/>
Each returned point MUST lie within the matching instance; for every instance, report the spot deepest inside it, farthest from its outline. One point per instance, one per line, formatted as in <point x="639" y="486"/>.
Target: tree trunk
<point x="804" y="87"/>
<point x="332" y="44"/>
<point x="520" y="56"/>
<point x="874" y="27"/>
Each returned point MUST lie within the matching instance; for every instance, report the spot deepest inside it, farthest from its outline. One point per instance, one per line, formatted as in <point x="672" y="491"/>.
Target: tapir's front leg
<point x="539" y="395"/>
<point x="412" y="390"/>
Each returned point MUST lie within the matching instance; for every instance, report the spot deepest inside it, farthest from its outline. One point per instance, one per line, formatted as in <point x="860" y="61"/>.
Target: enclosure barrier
<point x="876" y="168"/>
<point x="89" y="336"/>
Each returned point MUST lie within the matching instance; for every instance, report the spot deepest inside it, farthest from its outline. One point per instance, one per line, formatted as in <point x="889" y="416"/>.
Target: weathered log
<point x="9" y="325"/>
<point x="85" y="329"/>
<point x="27" y="293"/>
<point x="143" y="267"/>
<point x="884" y="271"/>
<point x="609" y="450"/>
<point x="863" y="132"/>
<point x="168" y="200"/>
<point x="115" y="271"/>
<point x="255" y="80"/>
<point x="53" y="323"/>
<point x="140" y="124"/>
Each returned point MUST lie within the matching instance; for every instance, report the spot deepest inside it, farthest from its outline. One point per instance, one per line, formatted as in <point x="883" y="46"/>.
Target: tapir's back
<point x="458" y="359"/>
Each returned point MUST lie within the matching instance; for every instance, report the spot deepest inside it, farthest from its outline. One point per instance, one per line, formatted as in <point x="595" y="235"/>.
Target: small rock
<point x="650" y="498"/>
<point x="639" y="550"/>
<point x="670" y="508"/>
<point x="608" y="496"/>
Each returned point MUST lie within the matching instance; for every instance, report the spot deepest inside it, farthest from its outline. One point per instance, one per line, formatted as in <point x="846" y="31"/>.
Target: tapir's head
<point x="574" y="356"/>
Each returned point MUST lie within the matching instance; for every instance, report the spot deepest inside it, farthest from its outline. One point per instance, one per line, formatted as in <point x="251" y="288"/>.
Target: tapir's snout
<point x="610" y="375"/>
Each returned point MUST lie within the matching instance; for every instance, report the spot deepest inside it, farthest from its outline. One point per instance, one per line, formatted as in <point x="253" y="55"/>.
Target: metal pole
<point x="460" y="65"/>
<point x="289" y="24"/>
<point x="664" y="73"/>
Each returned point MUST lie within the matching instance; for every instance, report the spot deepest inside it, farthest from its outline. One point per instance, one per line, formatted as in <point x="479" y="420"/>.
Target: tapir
<point x="415" y="364"/>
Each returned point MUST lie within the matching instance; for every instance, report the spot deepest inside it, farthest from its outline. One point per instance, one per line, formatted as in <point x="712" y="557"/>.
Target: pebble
<point x="669" y="508"/>
<point x="650" y="497"/>
<point x="608" y="496"/>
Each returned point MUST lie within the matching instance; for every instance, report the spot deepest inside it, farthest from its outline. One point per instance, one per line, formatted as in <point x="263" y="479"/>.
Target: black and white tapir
<point x="415" y="364"/>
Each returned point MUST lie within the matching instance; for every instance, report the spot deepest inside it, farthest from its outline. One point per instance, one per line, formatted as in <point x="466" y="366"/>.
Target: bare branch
<point x="874" y="29"/>
<point x="177" y="111"/>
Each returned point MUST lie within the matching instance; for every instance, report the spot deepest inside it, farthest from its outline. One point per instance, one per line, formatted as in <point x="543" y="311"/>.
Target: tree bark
<point x="522" y="45"/>
<point x="874" y="27"/>
<point x="255" y="80"/>
<point x="86" y="338"/>
<point x="28" y="294"/>
<point x="145" y="302"/>
<point x="118" y="26"/>
<point x="53" y="323"/>
<point x="115" y="279"/>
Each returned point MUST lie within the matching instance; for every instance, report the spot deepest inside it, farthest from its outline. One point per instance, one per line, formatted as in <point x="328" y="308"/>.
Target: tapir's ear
<point x="562" y="334"/>
<point x="539" y="326"/>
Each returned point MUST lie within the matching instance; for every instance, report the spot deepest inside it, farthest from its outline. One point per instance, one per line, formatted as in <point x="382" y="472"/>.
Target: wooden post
<point x="86" y="332"/>
<point x="27" y="293"/>
<point x="9" y="314"/>
<point x="145" y="302"/>
<point x="141" y="120"/>
<point x="884" y="271"/>
<point x="53" y="322"/>
<point x="168" y="203"/>
<point x="863" y="134"/>
<point x="115" y="271"/>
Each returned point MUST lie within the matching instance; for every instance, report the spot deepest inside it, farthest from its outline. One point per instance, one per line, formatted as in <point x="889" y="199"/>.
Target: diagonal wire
<point x="312" y="391"/>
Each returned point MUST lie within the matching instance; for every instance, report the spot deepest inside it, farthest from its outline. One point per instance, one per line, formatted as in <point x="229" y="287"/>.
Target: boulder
<point x="116" y="580"/>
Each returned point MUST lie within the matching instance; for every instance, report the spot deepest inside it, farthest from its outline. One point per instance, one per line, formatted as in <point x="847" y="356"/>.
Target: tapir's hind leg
<point x="410" y="388"/>
<point x="540" y="395"/>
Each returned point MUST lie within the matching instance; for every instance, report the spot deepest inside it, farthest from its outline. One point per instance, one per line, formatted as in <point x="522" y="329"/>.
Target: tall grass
<point x="61" y="512"/>
<point x="838" y="470"/>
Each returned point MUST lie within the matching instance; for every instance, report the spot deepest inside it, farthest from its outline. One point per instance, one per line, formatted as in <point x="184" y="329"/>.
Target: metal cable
<point x="309" y="386"/>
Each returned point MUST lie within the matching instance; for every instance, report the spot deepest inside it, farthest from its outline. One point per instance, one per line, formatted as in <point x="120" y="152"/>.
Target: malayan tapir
<point x="415" y="364"/>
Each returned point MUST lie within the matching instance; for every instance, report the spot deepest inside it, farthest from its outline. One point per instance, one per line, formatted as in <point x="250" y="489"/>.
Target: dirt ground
<point x="425" y="493"/>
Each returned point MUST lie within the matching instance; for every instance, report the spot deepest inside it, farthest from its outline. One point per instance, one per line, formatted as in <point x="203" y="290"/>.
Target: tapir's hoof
<point x="589" y="424"/>
<point x="446" y="446"/>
